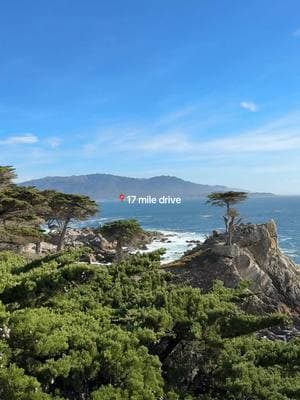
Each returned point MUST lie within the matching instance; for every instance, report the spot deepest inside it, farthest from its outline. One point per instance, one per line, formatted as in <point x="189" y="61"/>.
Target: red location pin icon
<point x="122" y="196"/>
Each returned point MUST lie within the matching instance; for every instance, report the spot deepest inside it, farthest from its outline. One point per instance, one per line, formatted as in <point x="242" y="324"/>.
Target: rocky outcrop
<point x="255" y="257"/>
<point x="102" y="250"/>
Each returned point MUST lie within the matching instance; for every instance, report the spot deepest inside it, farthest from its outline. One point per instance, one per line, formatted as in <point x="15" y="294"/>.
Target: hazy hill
<point x="108" y="187"/>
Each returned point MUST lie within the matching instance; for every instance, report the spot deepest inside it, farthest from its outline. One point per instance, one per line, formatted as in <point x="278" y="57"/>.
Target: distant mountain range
<point x="108" y="187"/>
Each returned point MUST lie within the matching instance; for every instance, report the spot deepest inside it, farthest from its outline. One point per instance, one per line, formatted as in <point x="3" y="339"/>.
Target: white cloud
<point x="245" y="143"/>
<point x="249" y="105"/>
<point x="263" y="142"/>
<point x="279" y="136"/>
<point x="186" y="142"/>
<point x="296" y="33"/>
<point x="27" y="138"/>
<point x="53" y="141"/>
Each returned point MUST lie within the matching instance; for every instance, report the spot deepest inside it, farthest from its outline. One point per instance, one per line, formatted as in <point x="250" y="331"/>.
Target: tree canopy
<point x="65" y="208"/>
<point x="21" y="210"/>
<point x="76" y="331"/>
<point x="7" y="174"/>
<point x="125" y="331"/>
<point x="227" y="199"/>
<point x="122" y="231"/>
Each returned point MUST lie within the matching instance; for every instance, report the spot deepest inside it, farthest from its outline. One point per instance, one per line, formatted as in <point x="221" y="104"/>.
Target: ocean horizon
<point x="194" y="220"/>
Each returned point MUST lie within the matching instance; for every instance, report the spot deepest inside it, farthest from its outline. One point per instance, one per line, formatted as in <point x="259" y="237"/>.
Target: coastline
<point x="176" y="244"/>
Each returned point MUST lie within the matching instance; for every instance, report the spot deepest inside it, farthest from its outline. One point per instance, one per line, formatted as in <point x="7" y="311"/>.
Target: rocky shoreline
<point x="102" y="250"/>
<point x="274" y="279"/>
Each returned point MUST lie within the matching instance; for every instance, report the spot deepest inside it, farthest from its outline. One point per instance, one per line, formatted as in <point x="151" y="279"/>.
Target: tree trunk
<point x="227" y="207"/>
<point x="119" y="251"/>
<point x="62" y="235"/>
<point x="226" y="219"/>
<point x="230" y="230"/>
<point x="230" y="234"/>
<point x="226" y="223"/>
<point x="38" y="248"/>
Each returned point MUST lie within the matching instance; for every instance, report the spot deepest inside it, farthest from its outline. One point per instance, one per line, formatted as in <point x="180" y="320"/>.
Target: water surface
<point x="193" y="219"/>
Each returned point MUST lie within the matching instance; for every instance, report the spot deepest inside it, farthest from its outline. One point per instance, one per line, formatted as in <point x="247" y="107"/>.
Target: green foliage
<point x="70" y="330"/>
<point x="20" y="215"/>
<point x="7" y="174"/>
<point x="121" y="230"/>
<point x="65" y="208"/>
<point x="20" y="211"/>
<point x="261" y="370"/>
<point x="16" y="385"/>
<point x="226" y="199"/>
<point x="9" y="263"/>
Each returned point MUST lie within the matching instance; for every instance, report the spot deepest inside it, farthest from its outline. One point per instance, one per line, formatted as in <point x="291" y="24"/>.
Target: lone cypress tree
<point x="228" y="199"/>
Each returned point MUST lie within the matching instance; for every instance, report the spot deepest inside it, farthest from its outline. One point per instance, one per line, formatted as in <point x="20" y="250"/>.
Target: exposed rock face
<point x="255" y="257"/>
<point x="102" y="250"/>
<point x="31" y="248"/>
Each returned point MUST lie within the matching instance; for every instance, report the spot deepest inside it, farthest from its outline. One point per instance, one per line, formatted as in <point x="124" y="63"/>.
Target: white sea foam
<point x="290" y="252"/>
<point x="175" y="244"/>
<point x="285" y="239"/>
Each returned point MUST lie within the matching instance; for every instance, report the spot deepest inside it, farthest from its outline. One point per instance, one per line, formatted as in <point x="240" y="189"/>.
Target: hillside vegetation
<point x="70" y="330"/>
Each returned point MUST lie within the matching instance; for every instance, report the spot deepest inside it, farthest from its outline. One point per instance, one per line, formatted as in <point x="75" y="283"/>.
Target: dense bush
<point x="75" y="331"/>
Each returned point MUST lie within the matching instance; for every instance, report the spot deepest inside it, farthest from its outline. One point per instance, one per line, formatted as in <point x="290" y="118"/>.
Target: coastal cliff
<point x="255" y="257"/>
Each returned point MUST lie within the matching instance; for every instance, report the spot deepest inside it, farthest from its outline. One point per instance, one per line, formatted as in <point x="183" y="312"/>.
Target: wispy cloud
<point x="174" y="142"/>
<point x="233" y="144"/>
<point x="111" y="138"/>
<point x="280" y="135"/>
<point x="27" y="138"/>
<point x="53" y="141"/>
<point x="249" y="105"/>
<point x="178" y="114"/>
<point x="184" y="142"/>
<point x="256" y="142"/>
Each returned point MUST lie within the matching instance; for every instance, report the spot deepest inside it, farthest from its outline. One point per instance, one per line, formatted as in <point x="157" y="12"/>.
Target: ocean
<point x="194" y="219"/>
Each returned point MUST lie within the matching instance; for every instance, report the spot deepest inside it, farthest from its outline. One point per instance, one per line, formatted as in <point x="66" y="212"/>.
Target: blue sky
<point x="206" y="90"/>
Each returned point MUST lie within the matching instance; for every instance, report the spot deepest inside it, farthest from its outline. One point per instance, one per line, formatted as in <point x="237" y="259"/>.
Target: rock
<point x="256" y="257"/>
<point x="283" y="334"/>
<point x="183" y="364"/>
<point x="45" y="248"/>
<point x="101" y="249"/>
<point x="86" y="237"/>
